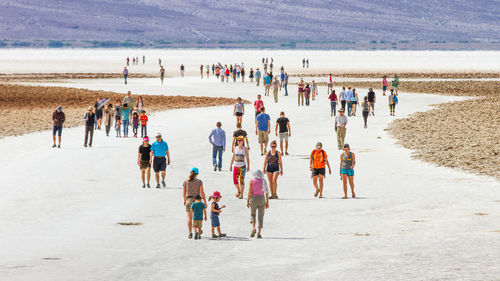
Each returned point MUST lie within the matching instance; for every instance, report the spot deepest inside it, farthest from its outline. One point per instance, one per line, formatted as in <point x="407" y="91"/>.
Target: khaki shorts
<point x="283" y="136"/>
<point x="189" y="202"/>
<point x="197" y="224"/>
<point x="263" y="137"/>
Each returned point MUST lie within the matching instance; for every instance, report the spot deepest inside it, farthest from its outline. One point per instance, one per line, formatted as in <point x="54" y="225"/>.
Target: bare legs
<point x="273" y="182"/>
<point x="319" y="190"/>
<point x="143" y="172"/>
<point x="346" y="178"/>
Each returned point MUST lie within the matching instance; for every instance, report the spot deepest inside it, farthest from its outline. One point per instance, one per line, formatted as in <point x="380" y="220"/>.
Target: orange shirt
<point x="319" y="158"/>
<point x="144" y="120"/>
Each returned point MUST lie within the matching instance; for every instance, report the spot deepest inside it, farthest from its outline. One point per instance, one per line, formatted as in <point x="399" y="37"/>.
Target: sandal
<point x="238" y="194"/>
<point x="252" y="234"/>
<point x="316" y="193"/>
<point x="259" y="236"/>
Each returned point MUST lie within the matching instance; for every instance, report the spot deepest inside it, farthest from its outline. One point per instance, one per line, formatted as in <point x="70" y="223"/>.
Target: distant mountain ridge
<point x="251" y="20"/>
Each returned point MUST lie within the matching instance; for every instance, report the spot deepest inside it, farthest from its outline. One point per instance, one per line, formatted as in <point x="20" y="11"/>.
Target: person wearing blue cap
<point x="191" y="188"/>
<point x="159" y="149"/>
<point x="58" y="119"/>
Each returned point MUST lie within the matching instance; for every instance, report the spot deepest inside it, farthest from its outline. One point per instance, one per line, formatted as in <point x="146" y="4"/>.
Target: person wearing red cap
<point x="215" y="211"/>
<point x="143" y="160"/>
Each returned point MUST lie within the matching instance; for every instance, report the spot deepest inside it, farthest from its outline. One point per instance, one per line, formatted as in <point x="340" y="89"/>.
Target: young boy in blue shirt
<point x="199" y="213"/>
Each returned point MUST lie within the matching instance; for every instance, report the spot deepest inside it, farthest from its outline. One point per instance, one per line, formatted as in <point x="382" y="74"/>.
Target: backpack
<point x="395" y="99"/>
<point x="322" y="153"/>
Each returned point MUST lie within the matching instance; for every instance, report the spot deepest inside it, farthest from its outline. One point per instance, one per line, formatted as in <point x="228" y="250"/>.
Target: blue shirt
<point x="348" y="95"/>
<point x="159" y="149"/>
<point x="197" y="208"/>
<point x="282" y="76"/>
<point x="219" y="137"/>
<point x="263" y="119"/>
<point x="125" y="114"/>
<point x="257" y="74"/>
<point x="267" y="79"/>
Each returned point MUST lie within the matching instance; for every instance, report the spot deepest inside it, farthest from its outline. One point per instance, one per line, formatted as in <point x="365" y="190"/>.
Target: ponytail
<point x="209" y="198"/>
<point x="192" y="176"/>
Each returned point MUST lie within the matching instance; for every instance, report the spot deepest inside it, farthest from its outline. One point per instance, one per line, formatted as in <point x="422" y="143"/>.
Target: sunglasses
<point x="273" y="146"/>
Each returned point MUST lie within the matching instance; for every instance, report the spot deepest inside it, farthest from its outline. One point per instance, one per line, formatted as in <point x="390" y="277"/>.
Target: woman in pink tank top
<point x="258" y="200"/>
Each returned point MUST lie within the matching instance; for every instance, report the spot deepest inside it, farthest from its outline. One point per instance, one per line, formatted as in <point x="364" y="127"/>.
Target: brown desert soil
<point x="26" y="109"/>
<point x="416" y="75"/>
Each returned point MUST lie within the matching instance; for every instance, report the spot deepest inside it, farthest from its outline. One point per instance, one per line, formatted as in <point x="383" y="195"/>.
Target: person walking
<point x="384" y="84"/>
<point x="215" y="211"/>
<point x="300" y="95"/>
<point x="118" y="119"/>
<point x="276" y="86"/>
<point x="144" y="161"/>
<point x="263" y="129"/>
<point x="354" y="101"/>
<point x="267" y="84"/>
<point x="182" y="70"/>
<point x="139" y="105"/>
<point x="125" y="113"/>
<point x="340" y="128"/>
<point x="333" y="103"/>
<point x="285" y="84"/>
<point x="285" y="131"/>
<point x="273" y="165"/>
<point x="241" y="161"/>
<point x="144" y="124"/>
<point x="343" y="96"/>
<point x="258" y="104"/>
<point x="58" y="118"/>
<point x="258" y="75"/>
<point x="98" y="113"/>
<point x="318" y="160"/>
<point x="237" y="133"/>
<point x="125" y="74"/>
<point x="129" y="101"/>
<point x="108" y="118"/>
<point x="191" y="188"/>
<point x="330" y="84"/>
<point x="393" y="100"/>
<point x="349" y="100"/>
<point x="346" y="169"/>
<point x="199" y="213"/>
<point x="218" y="140"/>
<point x="251" y="75"/>
<point x="395" y="83"/>
<point x="159" y="149"/>
<point x="89" y="126"/>
<point x="239" y="110"/>
<point x="162" y="74"/>
<point x="314" y="90"/>
<point x="372" y="99"/>
<point x="366" y="110"/>
<point x="307" y="94"/>
<point x="258" y="201"/>
<point x="201" y="71"/>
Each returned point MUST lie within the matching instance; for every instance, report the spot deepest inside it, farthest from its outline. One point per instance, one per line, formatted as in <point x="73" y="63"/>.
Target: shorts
<point x="198" y="223"/>
<point x="330" y="84"/>
<point x="317" y="172"/>
<point x="349" y="172"/>
<point x="144" y="164"/>
<point x="57" y="129"/>
<point x="384" y="88"/>
<point x="239" y="114"/>
<point x="239" y="175"/>
<point x="215" y="220"/>
<point x="283" y="136"/>
<point x="272" y="169"/>
<point x="189" y="202"/>
<point x="354" y="102"/>
<point x="263" y="137"/>
<point x="98" y="115"/>
<point x="372" y="103"/>
<point x="268" y="86"/>
<point x="159" y="164"/>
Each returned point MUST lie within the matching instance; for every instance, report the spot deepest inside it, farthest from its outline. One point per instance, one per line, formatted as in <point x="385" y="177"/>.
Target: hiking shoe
<point x="214" y="236"/>
<point x="190" y="236"/>
<point x="222" y="235"/>
<point x="163" y="184"/>
<point x="149" y="186"/>
<point x="252" y="234"/>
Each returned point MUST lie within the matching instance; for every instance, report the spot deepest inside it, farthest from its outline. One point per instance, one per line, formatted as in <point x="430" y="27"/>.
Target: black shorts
<point x="354" y="102"/>
<point x="98" y="115"/>
<point x="271" y="169"/>
<point x="239" y="114"/>
<point x="317" y="172"/>
<point x="159" y="164"/>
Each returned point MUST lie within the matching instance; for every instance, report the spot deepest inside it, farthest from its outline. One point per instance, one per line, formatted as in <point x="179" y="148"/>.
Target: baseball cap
<point x="195" y="170"/>
<point x="59" y="108"/>
<point x="158" y="135"/>
<point x="145" y="139"/>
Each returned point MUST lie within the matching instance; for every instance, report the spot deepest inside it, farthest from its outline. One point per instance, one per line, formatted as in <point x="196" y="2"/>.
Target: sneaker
<point x="220" y="169"/>
<point x="222" y="235"/>
<point x="90" y="145"/>
<point x="366" y="126"/>
<point x="158" y="186"/>
<point x="85" y="145"/>
<point x="143" y="186"/>
<point x="214" y="236"/>
<point x="54" y="145"/>
<point x="259" y="236"/>
<point x="163" y="184"/>
<point x="190" y="236"/>
<point x="276" y="196"/>
<point x="286" y="153"/>
<point x="59" y="146"/>
<point x="148" y="186"/>
<point x="215" y="168"/>
<point x="196" y="236"/>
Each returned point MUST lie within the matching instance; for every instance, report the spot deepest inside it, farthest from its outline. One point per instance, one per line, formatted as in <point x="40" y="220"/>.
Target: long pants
<point x="275" y="94"/>
<point x="125" y="77"/>
<point x="125" y="127"/>
<point x="300" y="98"/>
<point x="392" y="107"/>
<point x="108" y="128"/>
<point x="217" y="150"/>
<point x="89" y="130"/>
<point x="342" y="103"/>
<point x="349" y="108"/>
<point x="333" y="105"/>
<point x="144" y="131"/>
<point x="258" y="81"/>
<point x="257" y="203"/>
<point x="365" y="116"/>
<point x="307" y="101"/>
<point x="340" y="137"/>
<point x="135" y="129"/>
<point x="286" y="89"/>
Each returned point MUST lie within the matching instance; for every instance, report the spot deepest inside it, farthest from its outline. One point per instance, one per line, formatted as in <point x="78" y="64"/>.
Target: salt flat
<point x="412" y="220"/>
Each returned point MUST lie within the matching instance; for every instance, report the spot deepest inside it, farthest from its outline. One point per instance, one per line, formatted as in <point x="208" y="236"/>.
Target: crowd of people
<point x="263" y="185"/>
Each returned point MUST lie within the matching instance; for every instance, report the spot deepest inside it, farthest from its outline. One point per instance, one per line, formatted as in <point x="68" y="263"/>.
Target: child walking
<point x="214" y="214"/>
<point x="199" y="213"/>
<point x="135" y="123"/>
<point x="144" y="123"/>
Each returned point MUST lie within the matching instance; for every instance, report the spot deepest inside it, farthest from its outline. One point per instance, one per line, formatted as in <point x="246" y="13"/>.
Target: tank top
<point x="346" y="161"/>
<point x="354" y="97"/>
<point x="257" y="187"/>
<point x="239" y="107"/>
<point x="273" y="161"/>
<point x="366" y="106"/>
<point x="239" y="157"/>
<point x="193" y="187"/>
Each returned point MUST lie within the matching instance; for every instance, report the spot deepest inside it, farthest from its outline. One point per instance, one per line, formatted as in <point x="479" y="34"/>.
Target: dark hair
<point x="219" y="124"/>
<point x="282" y="113"/>
<point x="192" y="176"/>
<point x="333" y="91"/>
<point x="262" y="109"/>
<point x="135" y="114"/>
<point x="197" y="197"/>
<point x="366" y="98"/>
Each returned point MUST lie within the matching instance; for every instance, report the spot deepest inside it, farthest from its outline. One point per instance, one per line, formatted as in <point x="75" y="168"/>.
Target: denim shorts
<point x="57" y="129"/>
<point x="215" y="220"/>
<point x="349" y="172"/>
